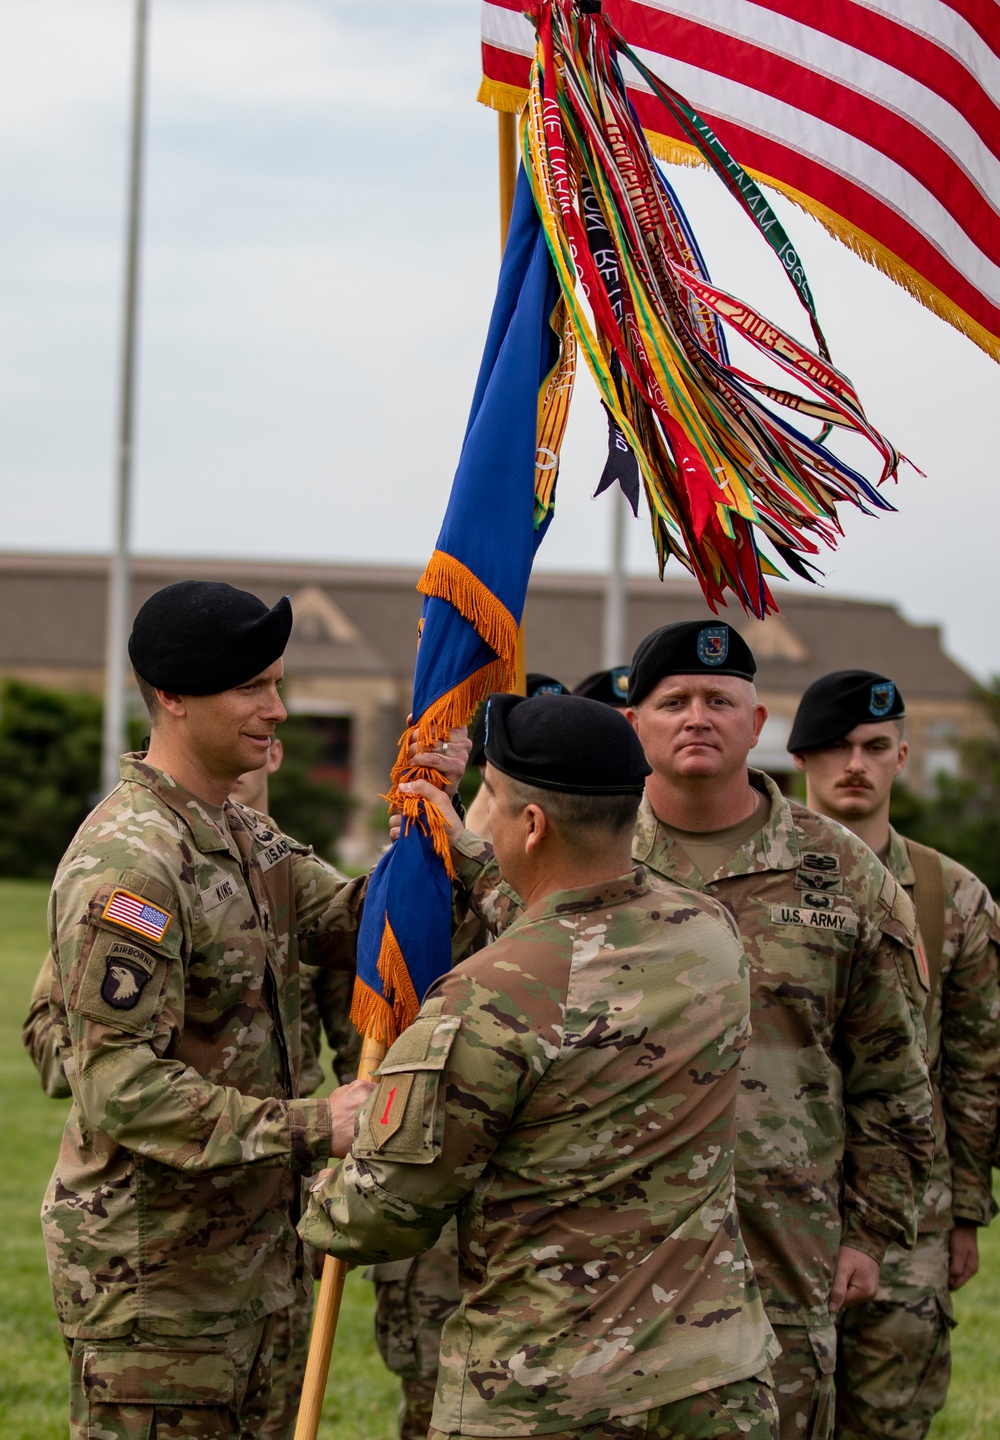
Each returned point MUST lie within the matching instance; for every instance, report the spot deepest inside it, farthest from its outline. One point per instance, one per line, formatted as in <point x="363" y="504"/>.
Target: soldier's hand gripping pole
<point x="331" y="1291"/>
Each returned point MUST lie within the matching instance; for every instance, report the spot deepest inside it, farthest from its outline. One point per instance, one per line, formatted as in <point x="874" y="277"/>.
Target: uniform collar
<point x="619" y="891"/>
<point x="203" y="820"/>
<point x="897" y="860"/>
<point x="774" y="847"/>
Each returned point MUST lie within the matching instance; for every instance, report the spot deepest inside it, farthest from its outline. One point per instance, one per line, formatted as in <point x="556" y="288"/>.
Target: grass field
<point x="361" y="1396"/>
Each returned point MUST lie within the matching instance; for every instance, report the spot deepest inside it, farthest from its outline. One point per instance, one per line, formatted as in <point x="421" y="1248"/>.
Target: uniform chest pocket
<point x="801" y="957"/>
<point x="404" y="1119"/>
<point x="227" y="961"/>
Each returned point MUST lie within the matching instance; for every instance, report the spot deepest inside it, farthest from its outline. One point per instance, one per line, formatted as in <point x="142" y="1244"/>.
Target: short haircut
<point x="149" y="698"/>
<point x="584" y="822"/>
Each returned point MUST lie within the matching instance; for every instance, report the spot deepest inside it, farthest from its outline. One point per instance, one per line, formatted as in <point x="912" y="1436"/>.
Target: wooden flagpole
<point x="331" y="1286"/>
<point x="331" y="1291"/>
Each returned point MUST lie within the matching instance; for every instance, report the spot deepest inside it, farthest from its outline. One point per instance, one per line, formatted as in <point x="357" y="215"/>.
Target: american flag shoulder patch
<point x="134" y="913"/>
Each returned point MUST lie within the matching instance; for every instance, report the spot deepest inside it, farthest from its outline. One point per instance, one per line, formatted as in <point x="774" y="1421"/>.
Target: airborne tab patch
<point x="134" y="913"/>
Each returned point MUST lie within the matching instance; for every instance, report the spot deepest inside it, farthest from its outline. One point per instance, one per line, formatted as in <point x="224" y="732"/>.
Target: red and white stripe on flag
<point x="881" y="117"/>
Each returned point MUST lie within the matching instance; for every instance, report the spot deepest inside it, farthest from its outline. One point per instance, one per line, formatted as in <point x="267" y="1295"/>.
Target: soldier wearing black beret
<point x="689" y="647"/>
<point x="201" y="636"/>
<point x="608" y="686"/>
<point x="827" y="933"/>
<point x="175" y="923"/>
<point x="535" y="684"/>
<point x="835" y="703"/>
<point x="848" y="740"/>
<point x="582" y="1074"/>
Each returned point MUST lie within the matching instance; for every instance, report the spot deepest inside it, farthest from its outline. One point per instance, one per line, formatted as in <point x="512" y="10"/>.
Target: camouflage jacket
<point x="570" y="1091"/>
<point x="176" y="998"/>
<point x="963" y="1046"/>
<point x="40" y="1035"/>
<point x="834" y="1109"/>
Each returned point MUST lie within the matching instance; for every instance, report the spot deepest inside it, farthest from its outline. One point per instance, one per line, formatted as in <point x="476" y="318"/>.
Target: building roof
<point x="362" y="621"/>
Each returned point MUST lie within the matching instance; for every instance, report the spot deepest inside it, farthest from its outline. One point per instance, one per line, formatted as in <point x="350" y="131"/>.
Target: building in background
<point x="349" y="664"/>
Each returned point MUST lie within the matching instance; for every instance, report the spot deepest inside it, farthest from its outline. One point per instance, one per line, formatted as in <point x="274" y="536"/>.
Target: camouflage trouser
<point x="744" y="1410"/>
<point x="290" y="1350"/>
<point x="895" y="1351"/>
<point x="803" y="1381"/>
<point x="413" y="1299"/>
<point x="167" y="1387"/>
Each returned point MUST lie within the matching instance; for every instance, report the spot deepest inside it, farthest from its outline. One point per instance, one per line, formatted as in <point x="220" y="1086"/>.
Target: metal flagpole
<point x="616" y="594"/>
<point x="114" y="740"/>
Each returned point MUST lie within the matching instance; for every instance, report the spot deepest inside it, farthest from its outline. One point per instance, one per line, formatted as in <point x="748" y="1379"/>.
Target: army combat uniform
<point x="40" y="1035"/>
<point x="569" y="1093"/>
<point x="322" y="990"/>
<point x="895" y="1351"/>
<point x="834" y="1103"/>
<point x="169" y="1219"/>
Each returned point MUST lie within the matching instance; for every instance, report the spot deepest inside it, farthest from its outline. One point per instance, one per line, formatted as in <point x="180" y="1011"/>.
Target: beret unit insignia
<point x="713" y="644"/>
<point x="883" y="695"/>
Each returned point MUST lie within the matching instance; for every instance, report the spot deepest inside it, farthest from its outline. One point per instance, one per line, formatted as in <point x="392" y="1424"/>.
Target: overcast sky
<point x="320" y="254"/>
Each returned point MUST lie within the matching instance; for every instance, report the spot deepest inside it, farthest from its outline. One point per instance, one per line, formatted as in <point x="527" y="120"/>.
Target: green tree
<point x="962" y="815"/>
<point x="303" y="803"/>
<point x="50" y="757"/>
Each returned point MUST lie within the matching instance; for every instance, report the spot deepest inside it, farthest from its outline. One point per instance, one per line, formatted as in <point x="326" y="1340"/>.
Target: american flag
<point x="881" y="117"/>
<point x="137" y="914"/>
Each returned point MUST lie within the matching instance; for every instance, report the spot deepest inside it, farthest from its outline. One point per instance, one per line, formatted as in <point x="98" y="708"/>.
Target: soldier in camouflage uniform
<point x="834" y="1105"/>
<point x="569" y="1094"/>
<point x="174" y="923"/>
<point x="895" y="1352"/>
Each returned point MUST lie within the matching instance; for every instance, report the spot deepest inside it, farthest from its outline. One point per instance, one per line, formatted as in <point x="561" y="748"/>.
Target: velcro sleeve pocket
<point x="120" y="975"/>
<point x="898" y="917"/>
<point x="404" y="1119"/>
<point x="158" y="1375"/>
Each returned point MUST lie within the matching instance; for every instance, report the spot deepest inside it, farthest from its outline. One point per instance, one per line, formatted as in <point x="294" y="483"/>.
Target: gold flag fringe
<point x="511" y="99"/>
<point x="371" y="1013"/>
<point x="448" y="579"/>
<point x="497" y="96"/>
<point x="451" y="710"/>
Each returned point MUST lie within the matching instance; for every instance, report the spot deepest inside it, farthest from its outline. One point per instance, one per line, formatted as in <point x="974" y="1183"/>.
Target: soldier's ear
<point x="537" y="827"/>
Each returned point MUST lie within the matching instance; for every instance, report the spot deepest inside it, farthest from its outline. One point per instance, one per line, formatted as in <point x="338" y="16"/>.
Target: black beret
<point x="200" y="636"/>
<point x="835" y="703"/>
<point x="690" y="647"/>
<point x="534" y="684"/>
<point x="564" y="743"/>
<point x="608" y="686"/>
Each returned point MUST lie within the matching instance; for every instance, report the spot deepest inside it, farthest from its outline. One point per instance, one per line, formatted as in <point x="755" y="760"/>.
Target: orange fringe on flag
<point x="448" y="579"/>
<point x="451" y="710"/>
<point x="371" y="1014"/>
